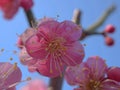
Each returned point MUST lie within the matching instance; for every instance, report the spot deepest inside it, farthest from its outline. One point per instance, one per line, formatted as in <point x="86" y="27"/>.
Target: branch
<point x="30" y="17"/>
<point x="56" y="83"/>
<point x="86" y="34"/>
<point x="76" y="16"/>
<point x="102" y="19"/>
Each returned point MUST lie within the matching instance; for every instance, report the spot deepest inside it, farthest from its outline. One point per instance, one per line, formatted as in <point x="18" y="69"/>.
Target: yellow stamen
<point x="51" y="71"/>
<point x="15" y="66"/>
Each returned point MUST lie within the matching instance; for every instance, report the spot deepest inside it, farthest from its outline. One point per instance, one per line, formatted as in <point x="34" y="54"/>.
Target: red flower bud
<point x="109" y="41"/>
<point x="109" y="28"/>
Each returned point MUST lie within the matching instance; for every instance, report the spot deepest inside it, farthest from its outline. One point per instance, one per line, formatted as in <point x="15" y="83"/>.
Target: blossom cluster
<point x="52" y="49"/>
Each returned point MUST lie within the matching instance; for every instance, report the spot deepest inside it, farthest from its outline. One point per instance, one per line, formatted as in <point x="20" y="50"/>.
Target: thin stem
<point x="101" y="19"/>
<point x="95" y="33"/>
<point x="56" y="83"/>
<point x="86" y="34"/>
<point x="30" y="17"/>
<point x="76" y="16"/>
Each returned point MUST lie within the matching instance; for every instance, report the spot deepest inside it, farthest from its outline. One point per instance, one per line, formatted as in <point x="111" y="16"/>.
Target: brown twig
<point x="76" y="16"/>
<point x="56" y="83"/>
<point x="102" y="19"/>
<point x="86" y="34"/>
<point x="30" y="17"/>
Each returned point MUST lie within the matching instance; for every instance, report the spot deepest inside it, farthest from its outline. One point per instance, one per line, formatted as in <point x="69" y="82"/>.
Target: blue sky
<point x="91" y="11"/>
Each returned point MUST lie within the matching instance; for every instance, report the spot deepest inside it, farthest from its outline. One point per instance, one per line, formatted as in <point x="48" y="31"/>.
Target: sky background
<point x="91" y="11"/>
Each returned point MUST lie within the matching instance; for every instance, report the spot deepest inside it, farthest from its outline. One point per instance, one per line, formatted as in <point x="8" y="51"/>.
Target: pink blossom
<point x="10" y="7"/>
<point x="10" y="74"/>
<point x="35" y="85"/>
<point x="56" y="44"/>
<point x="34" y="64"/>
<point x="44" y="68"/>
<point x="91" y="75"/>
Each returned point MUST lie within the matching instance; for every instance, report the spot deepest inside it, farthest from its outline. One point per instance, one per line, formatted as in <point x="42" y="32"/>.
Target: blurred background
<point x="91" y="11"/>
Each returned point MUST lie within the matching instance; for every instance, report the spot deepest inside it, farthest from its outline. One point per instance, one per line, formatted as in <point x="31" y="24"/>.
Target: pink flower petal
<point x="44" y="20"/>
<point x="19" y="43"/>
<point x="110" y="85"/>
<point x="47" y="29"/>
<point x="35" y="85"/>
<point x="50" y="69"/>
<point x="27" y="34"/>
<point x="32" y="68"/>
<point x="25" y="88"/>
<point x="97" y="66"/>
<point x="9" y="74"/>
<point x="25" y="58"/>
<point x="69" y="30"/>
<point x="114" y="73"/>
<point x="13" y="88"/>
<point x="36" y="47"/>
<point x="74" y="54"/>
<point x="77" y="74"/>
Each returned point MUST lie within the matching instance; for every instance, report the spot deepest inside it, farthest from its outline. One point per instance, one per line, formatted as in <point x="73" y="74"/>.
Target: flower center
<point x="93" y="85"/>
<point x="56" y="45"/>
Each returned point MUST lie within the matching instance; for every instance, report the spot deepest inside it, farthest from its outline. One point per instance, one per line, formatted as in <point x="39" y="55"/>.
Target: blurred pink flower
<point x="26" y="4"/>
<point x="10" y="7"/>
<point x="91" y="75"/>
<point x="56" y="44"/>
<point x="10" y="75"/>
<point x="35" y="85"/>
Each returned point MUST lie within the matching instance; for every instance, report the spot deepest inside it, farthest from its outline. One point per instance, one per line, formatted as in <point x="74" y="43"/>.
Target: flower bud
<point x="109" y="28"/>
<point x="109" y="41"/>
